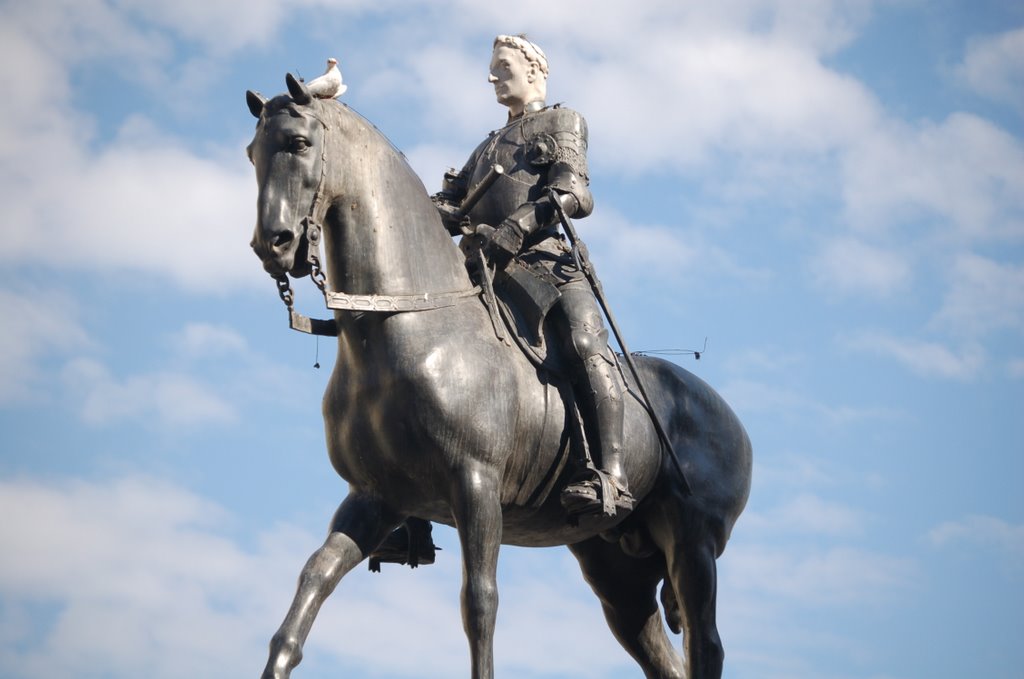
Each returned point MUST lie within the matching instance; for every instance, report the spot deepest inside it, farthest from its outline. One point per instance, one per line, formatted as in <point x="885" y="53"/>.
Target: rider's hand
<point x="449" y="214"/>
<point x="501" y="244"/>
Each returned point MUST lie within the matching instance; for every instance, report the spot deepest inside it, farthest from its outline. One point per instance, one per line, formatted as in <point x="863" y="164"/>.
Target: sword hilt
<point x="476" y="193"/>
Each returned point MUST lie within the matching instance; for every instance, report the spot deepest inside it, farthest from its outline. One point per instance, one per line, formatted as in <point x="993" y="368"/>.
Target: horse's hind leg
<point x="359" y="525"/>
<point x="627" y="589"/>
<point x="688" y="541"/>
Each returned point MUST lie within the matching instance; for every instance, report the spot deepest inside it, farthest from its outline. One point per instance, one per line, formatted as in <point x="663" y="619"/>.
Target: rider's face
<point x="515" y="79"/>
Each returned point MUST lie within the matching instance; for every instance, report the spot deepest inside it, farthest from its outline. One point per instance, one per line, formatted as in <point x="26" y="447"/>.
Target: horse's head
<point x="287" y="152"/>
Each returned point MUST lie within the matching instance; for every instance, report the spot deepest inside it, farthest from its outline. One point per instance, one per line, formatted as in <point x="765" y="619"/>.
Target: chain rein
<point x="319" y="276"/>
<point x="316" y="273"/>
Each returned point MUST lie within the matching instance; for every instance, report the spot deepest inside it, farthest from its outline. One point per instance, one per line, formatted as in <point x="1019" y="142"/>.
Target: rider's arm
<point x="453" y="190"/>
<point x="564" y="152"/>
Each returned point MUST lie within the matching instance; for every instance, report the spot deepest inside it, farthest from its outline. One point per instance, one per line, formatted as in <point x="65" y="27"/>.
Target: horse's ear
<point x="298" y="90"/>
<point x="256" y="102"/>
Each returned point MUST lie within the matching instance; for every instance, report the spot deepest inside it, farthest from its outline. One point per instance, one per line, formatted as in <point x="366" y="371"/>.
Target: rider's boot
<point x="605" y="491"/>
<point x="410" y="544"/>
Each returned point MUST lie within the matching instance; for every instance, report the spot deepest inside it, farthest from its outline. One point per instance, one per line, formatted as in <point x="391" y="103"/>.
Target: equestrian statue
<point x="474" y="385"/>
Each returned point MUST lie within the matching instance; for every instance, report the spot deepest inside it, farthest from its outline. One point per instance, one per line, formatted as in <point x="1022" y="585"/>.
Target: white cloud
<point x="205" y="370"/>
<point x="676" y="84"/>
<point x="37" y="324"/>
<point x="821" y="26"/>
<point x="746" y="395"/>
<point x="989" y="531"/>
<point x="140" y="203"/>
<point x="153" y="208"/>
<point x="139" y="581"/>
<point x="770" y="360"/>
<point x="220" y="25"/>
<point x="927" y="359"/>
<point x="994" y="66"/>
<point x="205" y="375"/>
<point x="76" y="31"/>
<point x="825" y="27"/>
<point x="851" y="266"/>
<point x="633" y="254"/>
<point x="807" y="514"/>
<point x="792" y="471"/>
<point x="984" y="296"/>
<point x="818" y="577"/>
<point x="965" y="172"/>
<point x="168" y="398"/>
<point x="461" y="103"/>
<point x="431" y="161"/>
<point x="726" y="90"/>
<point x="201" y="340"/>
<point x="746" y="78"/>
<point x="136" y="577"/>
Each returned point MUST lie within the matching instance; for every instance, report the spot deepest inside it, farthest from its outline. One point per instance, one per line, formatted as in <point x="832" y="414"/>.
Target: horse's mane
<point x="333" y="114"/>
<point x="410" y="205"/>
<point x="370" y="125"/>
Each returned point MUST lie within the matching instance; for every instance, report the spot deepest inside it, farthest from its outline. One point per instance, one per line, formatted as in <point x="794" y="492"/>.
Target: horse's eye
<point x="298" y="144"/>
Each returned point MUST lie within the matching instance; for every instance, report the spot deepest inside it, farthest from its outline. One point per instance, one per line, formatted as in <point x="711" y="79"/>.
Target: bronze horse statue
<point x="429" y="416"/>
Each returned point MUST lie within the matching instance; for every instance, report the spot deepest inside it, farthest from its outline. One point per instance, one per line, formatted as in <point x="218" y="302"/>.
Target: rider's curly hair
<point x="533" y="53"/>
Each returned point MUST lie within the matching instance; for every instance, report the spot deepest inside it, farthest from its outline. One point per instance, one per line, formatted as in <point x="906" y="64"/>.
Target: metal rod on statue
<point x="477" y="192"/>
<point x="579" y="253"/>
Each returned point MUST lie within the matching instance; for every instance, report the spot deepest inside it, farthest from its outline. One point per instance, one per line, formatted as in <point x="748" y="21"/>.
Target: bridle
<point x="313" y="230"/>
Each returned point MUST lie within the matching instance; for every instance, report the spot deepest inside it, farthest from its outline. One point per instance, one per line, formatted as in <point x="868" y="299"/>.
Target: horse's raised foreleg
<point x="627" y="589"/>
<point x="476" y="507"/>
<point x="360" y="524"/>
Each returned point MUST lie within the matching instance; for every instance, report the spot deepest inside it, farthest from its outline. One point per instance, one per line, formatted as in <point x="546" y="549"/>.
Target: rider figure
<point x="543" y="148"/>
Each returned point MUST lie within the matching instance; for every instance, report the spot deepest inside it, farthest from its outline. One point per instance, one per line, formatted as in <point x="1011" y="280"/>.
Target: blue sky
<point x="831" y="192"/>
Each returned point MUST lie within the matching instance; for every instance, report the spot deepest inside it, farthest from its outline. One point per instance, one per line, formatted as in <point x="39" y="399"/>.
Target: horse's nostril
<point x="283" y="238"/>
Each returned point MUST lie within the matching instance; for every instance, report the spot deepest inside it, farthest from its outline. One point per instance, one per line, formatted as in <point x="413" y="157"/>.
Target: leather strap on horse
<point x="371" y="303"/>
<point x="396" y="303"/>
<point x="351" y="302"/>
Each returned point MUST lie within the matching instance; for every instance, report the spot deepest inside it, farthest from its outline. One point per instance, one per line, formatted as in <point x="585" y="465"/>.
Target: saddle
<point x="518" y="300"/>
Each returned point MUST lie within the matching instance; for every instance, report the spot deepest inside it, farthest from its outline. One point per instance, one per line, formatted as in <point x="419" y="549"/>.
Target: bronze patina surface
<point x="431" y="416"/>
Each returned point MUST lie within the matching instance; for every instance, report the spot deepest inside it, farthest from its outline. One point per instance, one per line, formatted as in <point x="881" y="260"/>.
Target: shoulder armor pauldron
<point x="557" y="135"/>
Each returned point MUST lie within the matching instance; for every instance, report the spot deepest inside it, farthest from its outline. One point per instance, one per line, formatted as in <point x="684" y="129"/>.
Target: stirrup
<point x="596" y="493"/>
<point x="410" y="544"/>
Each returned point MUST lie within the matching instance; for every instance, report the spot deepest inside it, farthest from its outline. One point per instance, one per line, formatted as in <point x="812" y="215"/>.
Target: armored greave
<point x="596" y="379"/>
<point x="604" y="391"/>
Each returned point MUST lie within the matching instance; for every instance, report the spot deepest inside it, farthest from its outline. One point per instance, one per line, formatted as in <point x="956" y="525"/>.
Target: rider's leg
<point x="597" y="383"/>
<point x="605" y="389"/>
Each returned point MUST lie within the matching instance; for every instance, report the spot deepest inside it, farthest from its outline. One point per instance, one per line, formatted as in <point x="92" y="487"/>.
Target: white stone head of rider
<point x="519" y="73"/>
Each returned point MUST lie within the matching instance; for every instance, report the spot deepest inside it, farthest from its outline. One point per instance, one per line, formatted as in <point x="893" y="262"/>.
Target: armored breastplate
<point x="527" y="149"/>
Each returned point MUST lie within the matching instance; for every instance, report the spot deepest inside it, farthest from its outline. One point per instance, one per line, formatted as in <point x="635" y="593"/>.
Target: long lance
<point x="582" y="259"/>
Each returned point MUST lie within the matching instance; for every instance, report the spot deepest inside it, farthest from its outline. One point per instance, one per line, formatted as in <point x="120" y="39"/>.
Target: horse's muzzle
<point x="276" y="250"/>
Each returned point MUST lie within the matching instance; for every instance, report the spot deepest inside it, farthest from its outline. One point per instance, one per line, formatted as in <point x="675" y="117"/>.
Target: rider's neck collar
<point x="532" y="107"/>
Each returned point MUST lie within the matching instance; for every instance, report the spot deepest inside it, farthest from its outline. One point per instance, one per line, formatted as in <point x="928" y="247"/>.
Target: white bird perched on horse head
<point x="329" y="85"/>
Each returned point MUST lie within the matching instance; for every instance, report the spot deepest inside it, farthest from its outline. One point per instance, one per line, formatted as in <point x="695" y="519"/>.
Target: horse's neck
<point x="383" y="235"/>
